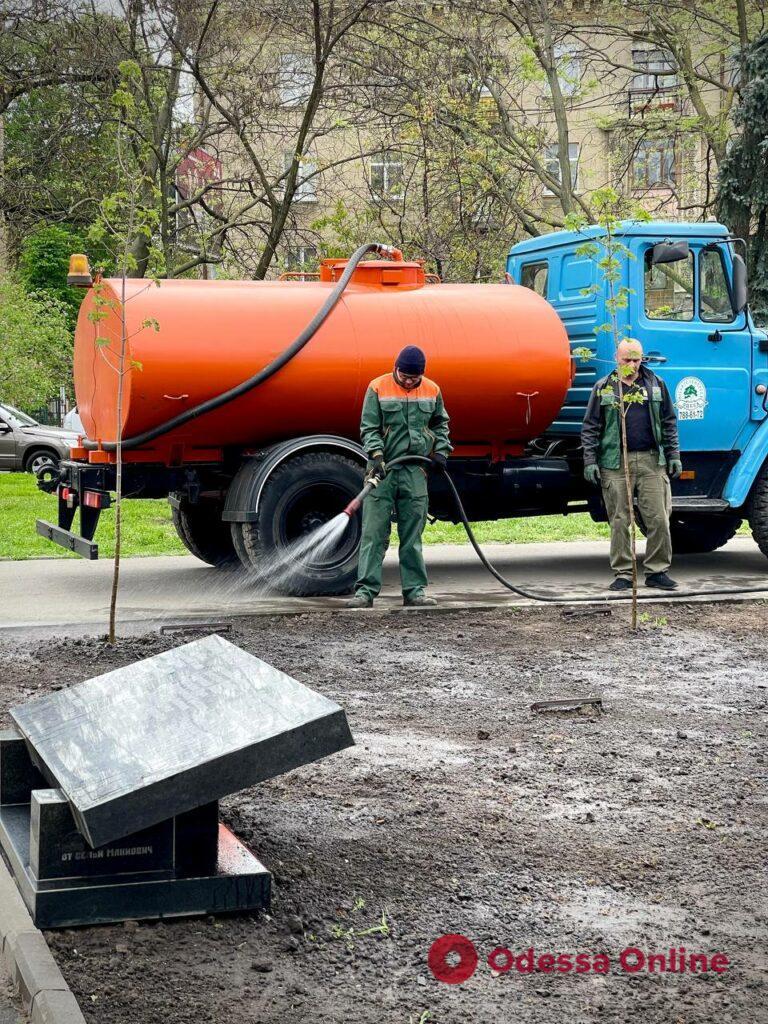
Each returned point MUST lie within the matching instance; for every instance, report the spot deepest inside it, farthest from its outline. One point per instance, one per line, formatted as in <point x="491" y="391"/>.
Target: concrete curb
<point x="28" y="960"/>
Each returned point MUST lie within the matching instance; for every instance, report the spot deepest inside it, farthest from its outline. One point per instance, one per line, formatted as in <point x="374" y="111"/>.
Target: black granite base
<point x="240" y="882"/>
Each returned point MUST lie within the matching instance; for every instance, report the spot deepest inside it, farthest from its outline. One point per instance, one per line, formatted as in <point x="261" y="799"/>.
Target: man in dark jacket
<point x="654" y="456"/>
<point x="403" y="414"/>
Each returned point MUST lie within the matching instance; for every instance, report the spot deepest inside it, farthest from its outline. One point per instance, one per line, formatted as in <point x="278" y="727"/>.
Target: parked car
<point x="28" y="446"/>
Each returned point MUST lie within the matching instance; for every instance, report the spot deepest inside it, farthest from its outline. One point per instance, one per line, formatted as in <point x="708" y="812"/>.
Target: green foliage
<point x="613" y="211"/>
<point x="36" y="349"/>
<point x="655" y="621"/>
<point x="44" y="261"/>
<point x="743" y="178"/>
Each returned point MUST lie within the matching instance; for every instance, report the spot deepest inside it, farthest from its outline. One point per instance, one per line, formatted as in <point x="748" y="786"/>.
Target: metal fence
<point x="53" y="412"/>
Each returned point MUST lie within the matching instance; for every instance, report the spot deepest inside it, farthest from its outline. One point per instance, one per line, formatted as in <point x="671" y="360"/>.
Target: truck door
<point x="693" y="340"/>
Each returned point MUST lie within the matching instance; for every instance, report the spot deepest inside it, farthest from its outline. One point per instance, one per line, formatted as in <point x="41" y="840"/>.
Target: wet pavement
<point x="57" y="592"/>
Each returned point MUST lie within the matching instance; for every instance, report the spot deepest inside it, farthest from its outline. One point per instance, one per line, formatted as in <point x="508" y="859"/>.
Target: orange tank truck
<point x="499" y="353"/>
<point x="250" y="476"/>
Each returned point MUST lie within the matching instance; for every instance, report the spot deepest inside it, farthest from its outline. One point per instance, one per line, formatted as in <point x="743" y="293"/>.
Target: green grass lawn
<point x="148" y="529"/>
<point x="147" y="526"/>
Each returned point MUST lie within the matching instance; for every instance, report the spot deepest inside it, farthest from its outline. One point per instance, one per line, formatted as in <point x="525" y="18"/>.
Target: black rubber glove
<point x="376" y="467"/>
<point x="440" y="460"/>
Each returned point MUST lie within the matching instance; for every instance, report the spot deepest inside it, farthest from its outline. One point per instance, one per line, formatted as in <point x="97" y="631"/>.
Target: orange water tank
<point x="499" y="352"/>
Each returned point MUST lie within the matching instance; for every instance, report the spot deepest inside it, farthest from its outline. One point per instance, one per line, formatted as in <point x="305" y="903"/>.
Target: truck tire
<point x="238" y="543"/>
<point x="302" y="494"/>
<point x="202" y="533"/>
<point x="758" y="510"/>
<point x="696" y="533"/>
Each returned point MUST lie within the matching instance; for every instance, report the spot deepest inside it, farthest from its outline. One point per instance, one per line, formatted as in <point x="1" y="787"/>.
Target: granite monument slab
<point x="109" y="790"/>
<point x="146" y="742"/>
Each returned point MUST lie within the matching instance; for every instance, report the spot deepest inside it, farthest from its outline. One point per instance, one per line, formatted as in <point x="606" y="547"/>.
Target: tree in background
<point x="743" y="185"/>
<point x="44" y="261"/>
<point x="35" y="345"/>
<point x="437" y="185"/>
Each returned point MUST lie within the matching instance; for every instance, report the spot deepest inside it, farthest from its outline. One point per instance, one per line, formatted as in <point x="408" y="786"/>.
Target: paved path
<point x="58" y="592"/>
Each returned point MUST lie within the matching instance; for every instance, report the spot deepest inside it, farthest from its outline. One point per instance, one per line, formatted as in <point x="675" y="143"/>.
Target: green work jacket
<point x="601" y="430"/>
<point x="397" y="422"/>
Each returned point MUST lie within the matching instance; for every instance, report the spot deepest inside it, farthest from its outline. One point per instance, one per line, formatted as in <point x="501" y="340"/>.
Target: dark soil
<point x="461" y="810"/>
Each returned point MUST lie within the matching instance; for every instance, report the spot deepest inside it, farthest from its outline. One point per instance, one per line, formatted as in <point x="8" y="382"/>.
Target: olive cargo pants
<point x="649" y="481"/>
<point x="403" y="491"/>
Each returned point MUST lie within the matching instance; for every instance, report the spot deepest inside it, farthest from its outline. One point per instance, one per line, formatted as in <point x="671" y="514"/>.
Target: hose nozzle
<point x="358" y="500"/>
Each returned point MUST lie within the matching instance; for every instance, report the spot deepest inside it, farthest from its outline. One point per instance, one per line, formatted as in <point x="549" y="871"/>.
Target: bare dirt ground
<point x="461" y="810"/>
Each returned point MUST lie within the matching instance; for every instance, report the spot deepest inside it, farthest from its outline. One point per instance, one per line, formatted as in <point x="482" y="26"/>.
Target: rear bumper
<point x="68" y="540"/>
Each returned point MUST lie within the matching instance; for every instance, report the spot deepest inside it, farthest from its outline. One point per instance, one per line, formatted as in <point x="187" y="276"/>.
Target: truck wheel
<point x="302" y="494"/>
<point x="202" y="532"/>
<point x="698" y="532"/>
<point x="758" y="510"/>
<point x="238" y="543"/>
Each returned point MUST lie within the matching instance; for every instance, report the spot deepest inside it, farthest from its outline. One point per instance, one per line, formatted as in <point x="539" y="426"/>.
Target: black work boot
<point x="620" y="583"/>
<point x="419" y="601"/>
<point x="660" y="580"/>
<point x="360" y="600"/>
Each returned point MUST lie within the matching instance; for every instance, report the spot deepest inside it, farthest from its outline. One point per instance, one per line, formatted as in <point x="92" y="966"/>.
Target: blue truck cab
<point x="688" y="310"/>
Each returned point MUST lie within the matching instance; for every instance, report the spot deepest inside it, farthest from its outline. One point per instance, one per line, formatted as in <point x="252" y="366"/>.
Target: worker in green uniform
<point x="403" y="414"/>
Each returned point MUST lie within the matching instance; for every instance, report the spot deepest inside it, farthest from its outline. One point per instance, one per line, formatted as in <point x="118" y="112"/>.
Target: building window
<point x="295" y="77"/>
<point x="669" y="289"/>
<point x="552" y="165"/>
<point x="568" y="62"/>
<point x="655" y="71"/>
<point x="534" y="276"/>
<point x="387" y="176"/>
<point x="302" y="257"/>
<point x="306" y="178"/>
<point x="653" y="164"/>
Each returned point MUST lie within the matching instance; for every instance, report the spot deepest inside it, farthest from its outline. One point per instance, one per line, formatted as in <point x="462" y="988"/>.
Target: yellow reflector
<point x="688" y="474"/>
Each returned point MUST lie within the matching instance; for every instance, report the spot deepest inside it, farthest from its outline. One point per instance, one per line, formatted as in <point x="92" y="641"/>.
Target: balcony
<point x="654" y="100"/>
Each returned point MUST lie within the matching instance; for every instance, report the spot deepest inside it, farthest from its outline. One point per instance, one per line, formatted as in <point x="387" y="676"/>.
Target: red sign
<point x="197" y="170"/>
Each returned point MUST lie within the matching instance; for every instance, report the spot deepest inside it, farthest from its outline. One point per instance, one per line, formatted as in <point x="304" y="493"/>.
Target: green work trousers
<point x="404" y="492"/>
<point x="649" y="481"/>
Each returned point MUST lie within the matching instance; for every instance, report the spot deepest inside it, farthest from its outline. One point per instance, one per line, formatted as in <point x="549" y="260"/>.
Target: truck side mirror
<point x="739" y="283"/>
<point x="5" y="428"/>
<point x="669" y="252"/>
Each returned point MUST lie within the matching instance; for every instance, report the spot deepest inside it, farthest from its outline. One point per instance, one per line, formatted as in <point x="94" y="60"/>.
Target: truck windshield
<point x="669" y="289"/>
<point x="714" y="296"/>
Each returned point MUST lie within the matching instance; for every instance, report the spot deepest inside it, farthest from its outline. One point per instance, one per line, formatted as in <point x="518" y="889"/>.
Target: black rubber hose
<point x="268" y="371"/>
<point x="532" y="595"/>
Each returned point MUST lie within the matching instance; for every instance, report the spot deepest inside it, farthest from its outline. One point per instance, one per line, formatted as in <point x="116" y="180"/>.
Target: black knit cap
<point x="411" y="361"/>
